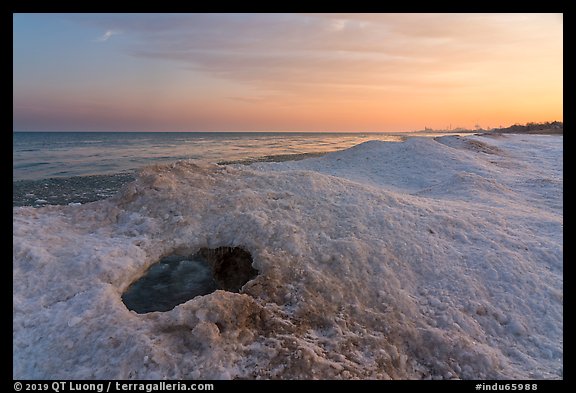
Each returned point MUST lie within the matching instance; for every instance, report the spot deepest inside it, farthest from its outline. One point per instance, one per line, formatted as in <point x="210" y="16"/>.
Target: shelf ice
<point x="429" y="258"/>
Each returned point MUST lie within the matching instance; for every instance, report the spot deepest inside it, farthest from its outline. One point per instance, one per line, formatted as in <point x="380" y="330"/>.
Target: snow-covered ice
<point x="429" y="258"/>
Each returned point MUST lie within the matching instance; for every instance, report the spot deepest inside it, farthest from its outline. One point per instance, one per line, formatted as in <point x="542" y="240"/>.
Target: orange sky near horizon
<point x="285" y="72"/>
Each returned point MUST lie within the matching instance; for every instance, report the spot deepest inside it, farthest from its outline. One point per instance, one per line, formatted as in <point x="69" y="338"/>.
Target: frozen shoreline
<point x="421" y="259"/>
<point x="90" y="188"/>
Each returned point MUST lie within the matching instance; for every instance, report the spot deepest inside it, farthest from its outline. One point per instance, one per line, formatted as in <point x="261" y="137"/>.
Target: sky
<point x="285" y="72"/>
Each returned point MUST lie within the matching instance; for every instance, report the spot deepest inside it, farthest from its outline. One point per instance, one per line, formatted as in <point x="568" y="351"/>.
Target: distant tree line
<point x="531" y="127"/>
<point x="548" y="127"/>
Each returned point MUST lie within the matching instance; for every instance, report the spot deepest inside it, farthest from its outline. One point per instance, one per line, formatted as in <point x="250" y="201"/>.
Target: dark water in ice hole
<point x="176" y="279"/>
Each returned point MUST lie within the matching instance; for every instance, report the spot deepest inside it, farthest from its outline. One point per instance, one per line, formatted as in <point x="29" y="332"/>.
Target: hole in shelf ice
<point x="176" y="279"/>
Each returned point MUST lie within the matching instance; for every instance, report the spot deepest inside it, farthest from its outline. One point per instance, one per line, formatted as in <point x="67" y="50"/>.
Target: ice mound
<point x="407" y="167"/>
<point x="380" y="261"/>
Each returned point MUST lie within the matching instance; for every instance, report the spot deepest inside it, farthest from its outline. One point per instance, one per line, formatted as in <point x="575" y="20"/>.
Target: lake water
<point x="41" y="155"/>
<point x="79" y="167"/>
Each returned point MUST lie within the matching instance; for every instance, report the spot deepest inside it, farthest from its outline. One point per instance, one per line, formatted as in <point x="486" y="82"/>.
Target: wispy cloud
<point x="290" y="71"/>
<point x="107" y="35"/>
<point x="279" y="52"/>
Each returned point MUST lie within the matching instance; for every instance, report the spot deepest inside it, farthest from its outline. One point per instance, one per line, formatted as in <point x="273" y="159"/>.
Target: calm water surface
<point x="59" y="168"/>
<point x="41" y="155"/>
